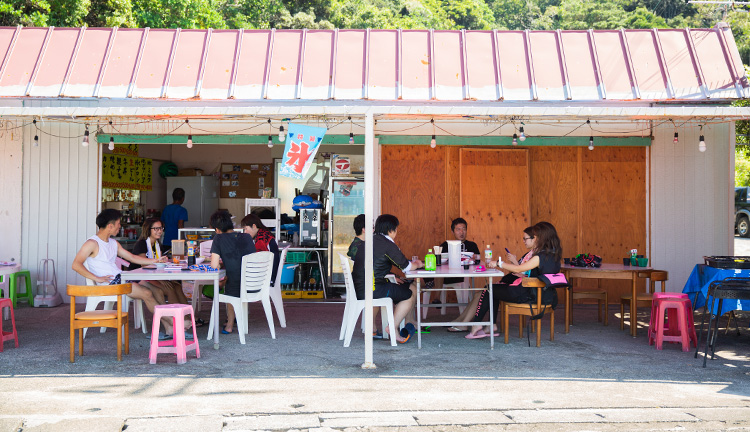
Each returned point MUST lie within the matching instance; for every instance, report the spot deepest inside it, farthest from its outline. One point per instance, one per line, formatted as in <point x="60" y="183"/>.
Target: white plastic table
<point x="442" y="272"/>
<point x="153" y="274"/>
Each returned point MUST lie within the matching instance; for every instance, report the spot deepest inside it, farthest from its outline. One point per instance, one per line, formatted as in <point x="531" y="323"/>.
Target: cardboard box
<point x="190" y="172"/>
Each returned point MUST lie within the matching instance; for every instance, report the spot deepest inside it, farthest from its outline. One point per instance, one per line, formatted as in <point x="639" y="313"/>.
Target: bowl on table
<point x="160" y="265"/>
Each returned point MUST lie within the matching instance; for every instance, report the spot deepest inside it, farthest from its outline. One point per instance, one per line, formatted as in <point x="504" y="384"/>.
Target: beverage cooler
<point x="347" y="200"/>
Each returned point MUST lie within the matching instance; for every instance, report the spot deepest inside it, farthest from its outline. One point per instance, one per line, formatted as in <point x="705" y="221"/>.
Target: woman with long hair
<point x="547" y="254"/>
<point x="149" y="246"/>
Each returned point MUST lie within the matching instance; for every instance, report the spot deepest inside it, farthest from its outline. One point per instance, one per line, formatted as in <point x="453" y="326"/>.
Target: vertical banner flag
<point x="302" y="142"/>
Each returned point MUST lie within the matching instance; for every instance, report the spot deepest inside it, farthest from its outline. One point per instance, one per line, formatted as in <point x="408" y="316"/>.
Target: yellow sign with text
<point x="126" y="172"/>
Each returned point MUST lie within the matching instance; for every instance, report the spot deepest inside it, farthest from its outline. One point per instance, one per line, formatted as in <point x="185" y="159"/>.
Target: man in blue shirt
<point x="174" y="216"/>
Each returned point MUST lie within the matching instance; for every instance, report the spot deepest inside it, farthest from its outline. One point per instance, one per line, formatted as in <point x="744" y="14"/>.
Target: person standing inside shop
<point x="174" y="216"/>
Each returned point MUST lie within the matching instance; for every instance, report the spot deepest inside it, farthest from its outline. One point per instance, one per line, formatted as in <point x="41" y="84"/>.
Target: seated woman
<point x="149" y="246"/>
<point x="547" y="254"/>
<point x="229" y="247"/>
<point x="386" y="255"/>
<point x="264" y="240"/>
<point x="509" y="279"/>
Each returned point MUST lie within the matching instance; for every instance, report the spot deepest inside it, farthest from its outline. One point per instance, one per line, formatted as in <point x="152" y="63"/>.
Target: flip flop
<point x="225" y="332"/>
<point x="478" y="335"/>
<point x="406" y="339"/>
<point x="454" y="329"/>
<point x="164" y="336"/>
<point x="199" y="323"/>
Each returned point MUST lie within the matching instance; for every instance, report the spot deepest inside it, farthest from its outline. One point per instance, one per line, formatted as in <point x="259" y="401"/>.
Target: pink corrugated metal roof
<point x="378" y="65"/>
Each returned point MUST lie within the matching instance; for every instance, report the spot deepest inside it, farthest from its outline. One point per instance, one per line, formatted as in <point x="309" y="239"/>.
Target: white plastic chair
<point x="462" y="296"/>
<point x="275" y="293"/>
<point x="255" y="276"/>
<point x="139" y="320"/>
<point x="353" y="308"/>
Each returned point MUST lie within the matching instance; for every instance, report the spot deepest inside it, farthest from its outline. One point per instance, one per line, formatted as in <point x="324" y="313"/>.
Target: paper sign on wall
<point x="302" y="142"/>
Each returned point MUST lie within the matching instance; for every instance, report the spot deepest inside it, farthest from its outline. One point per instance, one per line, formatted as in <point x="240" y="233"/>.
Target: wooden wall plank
<point x="554" y="192"/>
<point x="495" y="196"/>
<point x="11" y="194"/>
<point x="413" y="189"/>
<point x="452" y="187"/>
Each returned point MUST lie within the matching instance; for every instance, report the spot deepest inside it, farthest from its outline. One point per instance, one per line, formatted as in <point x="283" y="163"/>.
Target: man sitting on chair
<point x="99" y="253"/>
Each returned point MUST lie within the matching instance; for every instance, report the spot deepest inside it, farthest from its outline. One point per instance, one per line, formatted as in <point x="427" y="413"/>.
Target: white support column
<point x="369" y="219"/>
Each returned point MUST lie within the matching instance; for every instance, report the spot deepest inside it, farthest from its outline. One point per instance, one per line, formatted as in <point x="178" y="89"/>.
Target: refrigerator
<point x="347" y="201"/>
<point x="201" y="197"/>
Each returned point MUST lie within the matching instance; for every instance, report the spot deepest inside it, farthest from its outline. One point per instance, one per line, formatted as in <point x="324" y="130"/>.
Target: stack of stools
<point x="177" y="345"/>
<point x="678" y="325"/>
<point x="13" y="334"/>
<point x="13" y="287"/>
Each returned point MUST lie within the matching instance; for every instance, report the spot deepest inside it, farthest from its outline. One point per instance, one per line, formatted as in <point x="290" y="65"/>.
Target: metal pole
<point x="369" y="218"/>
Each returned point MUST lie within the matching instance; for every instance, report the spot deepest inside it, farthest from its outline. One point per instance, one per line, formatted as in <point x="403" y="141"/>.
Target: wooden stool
<point x="643" y="299"/>
<point x="523" y="309"/>
<point x="600" y="296"/>
<point x="177" y="345"/>
<point x="13" y="334"/>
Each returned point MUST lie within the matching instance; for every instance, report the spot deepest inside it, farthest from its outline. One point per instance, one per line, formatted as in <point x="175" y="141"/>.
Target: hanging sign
<point x="341" y="165"/>
<point x="126" y="149"/>
<point x="126" y="172"/>
<point x="302" y="142"/>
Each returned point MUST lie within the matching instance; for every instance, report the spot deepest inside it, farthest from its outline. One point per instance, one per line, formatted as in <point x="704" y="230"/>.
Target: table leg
<point x="492" y="319"/>
<point x="567" y="308"/>
<point x="419" y="316"/>
<point x="215" y="312"/>
<point x="633" y="306"/>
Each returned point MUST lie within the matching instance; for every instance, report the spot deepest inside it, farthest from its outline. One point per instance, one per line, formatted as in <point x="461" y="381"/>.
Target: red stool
<point x="681" y="321"/>
<point x="12" y="335"/>
<point x="177" y="345"/>
<point x="671" y="314"/>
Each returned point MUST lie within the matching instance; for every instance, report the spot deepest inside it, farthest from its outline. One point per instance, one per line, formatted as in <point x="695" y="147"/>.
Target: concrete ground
<point x="594" y="378"/>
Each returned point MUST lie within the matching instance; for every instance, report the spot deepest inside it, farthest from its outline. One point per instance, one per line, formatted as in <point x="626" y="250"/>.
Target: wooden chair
<point x="643" y="299"/>
<point x="98" y="318"/>
<point x="523" y="309"/>
<point x="600" y="296"/>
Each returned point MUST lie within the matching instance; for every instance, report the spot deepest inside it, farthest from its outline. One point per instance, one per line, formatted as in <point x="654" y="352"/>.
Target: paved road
<point x="741" y="246"/>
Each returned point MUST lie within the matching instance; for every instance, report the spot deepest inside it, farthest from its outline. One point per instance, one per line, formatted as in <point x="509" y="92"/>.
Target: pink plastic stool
<point x="682" y="321"/>
<point x="12" y="335"/>
<point x="672" y="330"/>
<point x="177" y="345"/>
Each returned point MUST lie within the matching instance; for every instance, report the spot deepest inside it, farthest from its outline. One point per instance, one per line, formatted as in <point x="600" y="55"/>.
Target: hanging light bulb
<point x="591" y="143"/>
<point x="282" y="134"/>
<point x="85" y="141"/>
<point x="522" y="137"/>
<point x="36" y="140"/>
<point x="702" y="144"/>
<point x="675" y="140"/>
<point x="433" y="143"/>
<point x="270" y="142"/>
<point x="515" y="139"/>
<point x="351" y="138"/>
<point x="190" y="141"/>
<point x="111" y="143"/>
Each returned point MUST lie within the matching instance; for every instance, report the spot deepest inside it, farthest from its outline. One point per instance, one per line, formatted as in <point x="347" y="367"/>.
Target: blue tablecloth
<point x="702" y="276"/>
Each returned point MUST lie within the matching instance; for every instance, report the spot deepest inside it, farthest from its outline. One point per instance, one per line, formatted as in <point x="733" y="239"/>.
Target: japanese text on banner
<point x="126" y="172"/>
<point x="302" y="142"/>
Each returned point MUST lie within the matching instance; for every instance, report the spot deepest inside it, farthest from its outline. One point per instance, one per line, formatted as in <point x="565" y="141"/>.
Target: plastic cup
<point x="626" y="261"/>
<point x="642" y="262"/>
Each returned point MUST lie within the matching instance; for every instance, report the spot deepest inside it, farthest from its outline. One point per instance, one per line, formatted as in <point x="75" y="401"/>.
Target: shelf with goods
<point x="252" y="205"/>
<point x="302" y="276"/>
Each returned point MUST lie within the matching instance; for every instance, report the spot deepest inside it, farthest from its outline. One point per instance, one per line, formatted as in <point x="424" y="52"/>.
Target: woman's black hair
<point x="146" y="228"/>
<point x="385" y="223"/>
<point x="251" y="220"/>
<point x="547" y="240"/>
<point x="222" y="221"/>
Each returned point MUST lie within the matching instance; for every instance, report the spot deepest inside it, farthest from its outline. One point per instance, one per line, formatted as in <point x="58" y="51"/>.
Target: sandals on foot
<point x="454" y="329"/>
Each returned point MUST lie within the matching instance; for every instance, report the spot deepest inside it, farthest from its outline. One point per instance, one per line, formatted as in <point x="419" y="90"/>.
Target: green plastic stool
<point x="13" y="287"/>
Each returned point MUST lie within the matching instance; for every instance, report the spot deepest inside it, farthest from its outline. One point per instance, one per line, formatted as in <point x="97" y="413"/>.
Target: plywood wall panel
<point x="413" y="189"/>
<point x="452" y="188"/>
<point x="554" y="192"/>
<point x="495" y="196"/>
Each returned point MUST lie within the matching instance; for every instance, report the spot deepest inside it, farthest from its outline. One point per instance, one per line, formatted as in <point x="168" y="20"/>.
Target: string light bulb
<point x="270" y="142"/>
<point x="190" y="141"/>
<point x="522" y="137"/>
<point x="702" y="144"/>
<point x="515" y="139"/>
<point x="85" y="141"/>
<point x="36" y="135"/>
<point x="676" y="139"/>
<point x="282" y="134"/>
<point x="111" y="143"/>
<point x="591" y="143"/>
<point x="433" y="143"/>
<point x="351" y="138"/>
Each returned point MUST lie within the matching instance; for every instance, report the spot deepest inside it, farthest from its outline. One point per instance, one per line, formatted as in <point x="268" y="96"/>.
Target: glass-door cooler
<point x="347" y="201"/>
